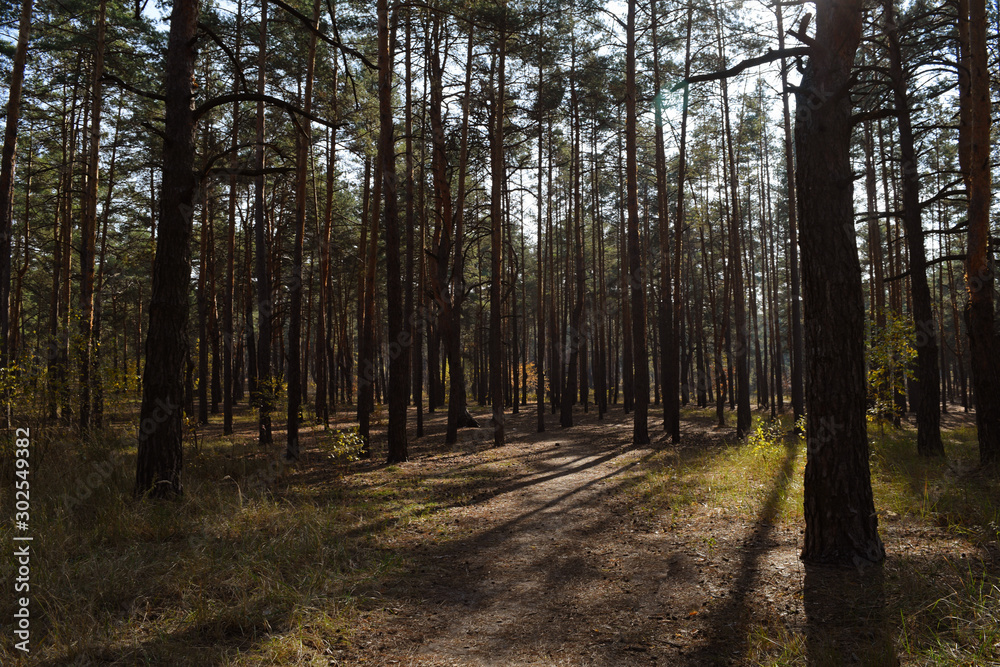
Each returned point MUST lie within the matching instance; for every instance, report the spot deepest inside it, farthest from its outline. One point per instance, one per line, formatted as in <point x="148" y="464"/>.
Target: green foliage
<point x="800" y="427"/>
<point x="268" y="392"/>
<point x="891" y="353"/>
<point x="345" y="445"/>
<point x="767" y="435"/>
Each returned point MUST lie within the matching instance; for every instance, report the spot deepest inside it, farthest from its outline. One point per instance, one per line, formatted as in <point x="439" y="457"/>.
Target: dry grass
<point x="262" y="564"/>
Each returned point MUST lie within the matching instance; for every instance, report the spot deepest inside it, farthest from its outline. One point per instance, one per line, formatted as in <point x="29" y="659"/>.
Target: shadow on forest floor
<point x="568" y="546"/>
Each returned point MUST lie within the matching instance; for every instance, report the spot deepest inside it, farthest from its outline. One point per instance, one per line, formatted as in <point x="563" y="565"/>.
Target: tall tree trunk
<point x="636" y="282"/>
<point x="88" y="223"/>
<point x="928" y="376"/>
<point x="798" y="404"/>
<point x="497" y="169"/>
<point x="398" y="335"/>
<point x="666" y="312"/>
<point x="265" y="304"/>
<point x="975" y="148"/>
<point x="736" y="272"/>
<point x="98" y="394"/>
<point x="408" y="314"/>
<point x="158" y="464"/>
<point x="228" y="330"/>
<point x="366" y="357"/>
<point x="7" y="162"/>
<point x="678" y="302"/>
<point x="574" y="338"/>
<point x="420" y="323"/>
<point x="201" y="299"/>
<point x="458" y="412"/>
<point x="540" y="272"/>
<point x="841" y="524"/>
<point x="303" y="139"/>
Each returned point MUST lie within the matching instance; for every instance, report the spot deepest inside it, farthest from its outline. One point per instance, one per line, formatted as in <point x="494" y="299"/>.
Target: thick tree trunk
<point x="398" y="335"/>
<point x="158" y="464"/>
<point x="841" y="525"/>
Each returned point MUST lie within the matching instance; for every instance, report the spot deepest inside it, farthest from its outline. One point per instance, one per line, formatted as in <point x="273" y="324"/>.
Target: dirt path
<point x="550" y="566"/>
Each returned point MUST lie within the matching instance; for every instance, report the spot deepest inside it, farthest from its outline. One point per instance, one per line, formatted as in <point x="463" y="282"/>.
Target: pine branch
<point x="768" y="57"/>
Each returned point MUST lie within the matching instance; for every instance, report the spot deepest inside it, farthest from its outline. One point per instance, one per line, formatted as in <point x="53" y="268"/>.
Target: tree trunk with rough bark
<point x="303" y="139"/>
<point x="158" y="464"/>
<point x="398" y="335"/>
<point x="841" y="524"/>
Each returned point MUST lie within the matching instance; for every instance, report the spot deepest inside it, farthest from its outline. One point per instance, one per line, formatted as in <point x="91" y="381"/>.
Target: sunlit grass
<point x="240" y="569"/>
<point x="247" y="569"/>
<point x="950" y="493"/>
<point x="945" y="610"/>
<point x="736" y="478"/>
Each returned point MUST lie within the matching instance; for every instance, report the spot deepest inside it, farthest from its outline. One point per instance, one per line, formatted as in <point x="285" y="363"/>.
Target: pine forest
<point x="499" y="332"/>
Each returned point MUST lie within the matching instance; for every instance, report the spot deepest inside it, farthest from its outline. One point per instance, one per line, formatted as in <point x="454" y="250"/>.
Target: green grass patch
<point x="941" y="605"/>
<point x="741" y="479"/>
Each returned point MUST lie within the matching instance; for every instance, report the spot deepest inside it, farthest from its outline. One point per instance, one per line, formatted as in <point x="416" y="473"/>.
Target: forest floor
<point x="567" y="547"/>
<point x="580" y="549"/>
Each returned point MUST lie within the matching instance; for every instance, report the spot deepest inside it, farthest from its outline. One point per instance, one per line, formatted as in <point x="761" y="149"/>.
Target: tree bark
<point x="228" y="329"/>
<point x="736" y="272"/>
<point x="303" y="139"/>
<point x="458" y="411"/>
<point x="668" y="334"/>
<point x="841" y="524"/>
<point x="158" y="464"/>
<point x="796" y="370"/>
<point x="398" y="335"/>
<point x="88" y="223"/>
<point x="540" y="272"/>
<point x="636" y="282"/>
<point x="975" y="148"/>
<point x="498" y="171"/>
<point x="265" y="304"/>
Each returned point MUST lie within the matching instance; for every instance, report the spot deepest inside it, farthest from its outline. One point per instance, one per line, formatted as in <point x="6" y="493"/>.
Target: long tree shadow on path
<point x="727" y="635"/>
<point x="535" y="582"/>
<point x="845" y="610"/>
